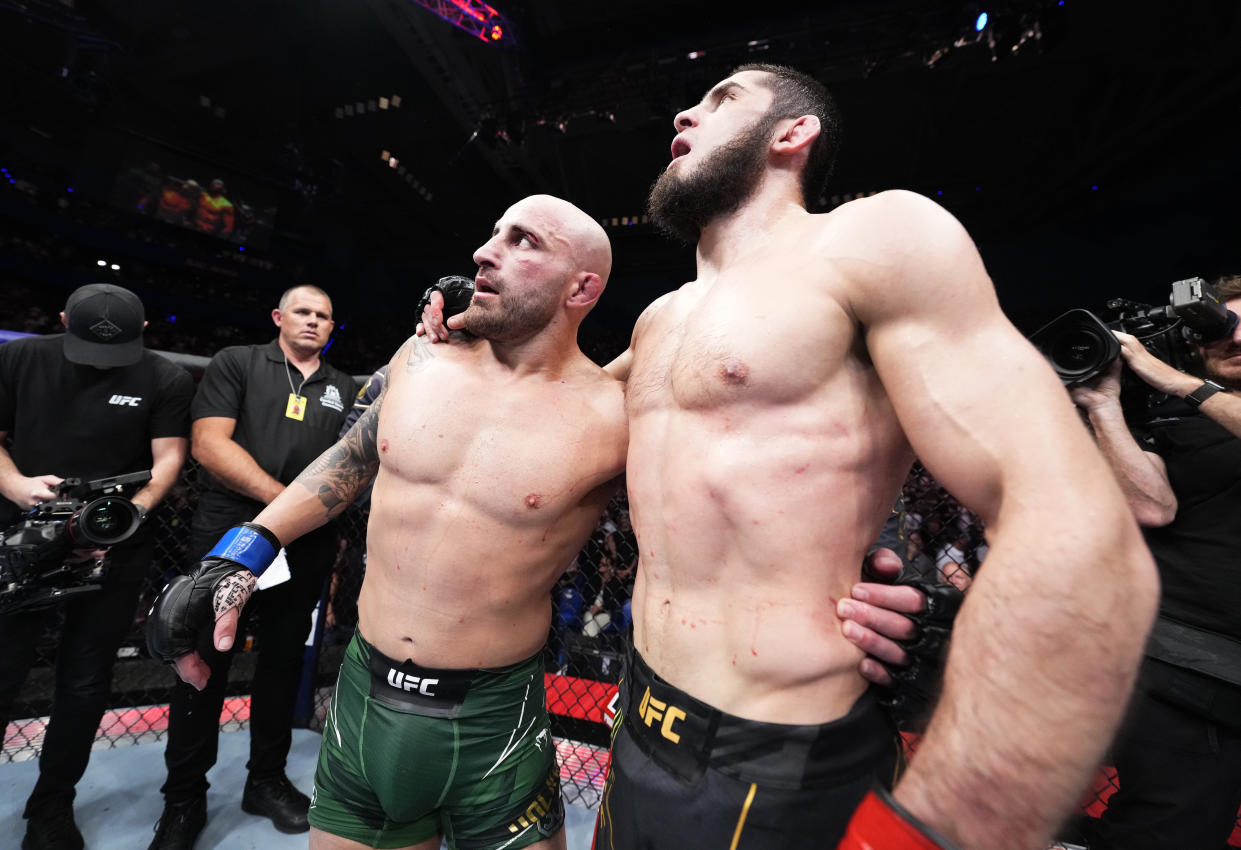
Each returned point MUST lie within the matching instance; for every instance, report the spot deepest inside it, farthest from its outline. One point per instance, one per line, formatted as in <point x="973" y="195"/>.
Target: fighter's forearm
<point x="342" y="472"/>
<point x="1043" y="659"/>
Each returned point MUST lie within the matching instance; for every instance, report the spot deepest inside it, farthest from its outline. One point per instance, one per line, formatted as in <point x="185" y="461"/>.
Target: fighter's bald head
<point x="584" y="238"/>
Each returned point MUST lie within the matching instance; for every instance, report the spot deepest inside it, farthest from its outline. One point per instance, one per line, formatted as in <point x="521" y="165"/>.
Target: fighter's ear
<point x="796" y="134"/>
<point x="587" y="287"/>
<point x="275" y="316"/>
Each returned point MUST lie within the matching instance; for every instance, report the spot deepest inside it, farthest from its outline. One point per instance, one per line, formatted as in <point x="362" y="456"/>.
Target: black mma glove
<point x="916" y="684"/>
<point x="182" y="620"/>
<point x="457" y="291"/>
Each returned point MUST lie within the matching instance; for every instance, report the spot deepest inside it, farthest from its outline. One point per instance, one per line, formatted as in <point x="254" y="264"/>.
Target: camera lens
<point x="104" y="522"/>
<point x="1076" y="351"/>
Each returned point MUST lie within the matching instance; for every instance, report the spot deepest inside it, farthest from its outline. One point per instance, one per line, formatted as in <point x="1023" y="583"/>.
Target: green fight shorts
<point x="410" y="751"/>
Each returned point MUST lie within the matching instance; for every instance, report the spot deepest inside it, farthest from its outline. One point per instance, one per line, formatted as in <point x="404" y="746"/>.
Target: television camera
<point x="1080" y="345"/>
<point x="37" y="563"/>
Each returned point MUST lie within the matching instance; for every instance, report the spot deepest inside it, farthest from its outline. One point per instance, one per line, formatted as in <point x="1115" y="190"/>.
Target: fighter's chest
<point x="738" y="345"/>
<point x="515" y="452"/>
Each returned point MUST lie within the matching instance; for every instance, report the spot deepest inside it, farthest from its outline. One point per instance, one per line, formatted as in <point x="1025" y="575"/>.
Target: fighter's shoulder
<point x="892" y="223"/>
<point x="663" y="306"/>
<point x="899" y="247"/>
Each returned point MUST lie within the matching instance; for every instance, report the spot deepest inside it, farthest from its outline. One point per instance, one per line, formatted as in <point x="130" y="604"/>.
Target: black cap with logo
<point x="105" y="325"/>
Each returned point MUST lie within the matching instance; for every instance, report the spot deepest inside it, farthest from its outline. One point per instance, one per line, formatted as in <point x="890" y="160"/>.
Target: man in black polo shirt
<point x="1178" y="755"/>
<point x="89" y="404"/>
<point x="261" y="415"/>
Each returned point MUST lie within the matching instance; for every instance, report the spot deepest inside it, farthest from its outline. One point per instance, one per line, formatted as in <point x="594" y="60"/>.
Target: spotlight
<point x="115" y="267"/>
<point x="980" y="23"/>
<point x="101" y="262"/>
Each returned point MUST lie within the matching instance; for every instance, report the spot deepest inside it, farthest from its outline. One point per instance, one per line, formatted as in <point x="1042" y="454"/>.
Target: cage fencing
<point x="591" y="615"/>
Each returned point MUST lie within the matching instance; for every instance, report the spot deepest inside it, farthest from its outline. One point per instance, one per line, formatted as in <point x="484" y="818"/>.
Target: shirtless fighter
<point x="774" y="405"/>
<point x="439" y="722"/>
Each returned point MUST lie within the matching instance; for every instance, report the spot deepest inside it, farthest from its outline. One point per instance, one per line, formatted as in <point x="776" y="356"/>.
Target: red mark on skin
<point x="753" y="651"/>
<point x="462" y="620"/>
<point x="693" y="625"/>
<point x="832" y="599"/>
<point x="383" y="445"/>
<point x="534" y="500"/>
<point x="398" y="569"/>
<point x="682" y="622"/>
<point x="734" y="661"/>
<point x="755" y="521"/>
<point x="801" y="469"/>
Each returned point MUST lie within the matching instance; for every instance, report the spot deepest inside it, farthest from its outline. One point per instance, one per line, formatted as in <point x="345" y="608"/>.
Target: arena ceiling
<point x="1010" y="127"/>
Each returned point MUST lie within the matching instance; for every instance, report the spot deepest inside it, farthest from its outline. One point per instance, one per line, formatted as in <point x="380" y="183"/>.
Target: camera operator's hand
<point x="1156" y="373"/>
<point x="28" y="492"/>
<point x="1100" y="392"/>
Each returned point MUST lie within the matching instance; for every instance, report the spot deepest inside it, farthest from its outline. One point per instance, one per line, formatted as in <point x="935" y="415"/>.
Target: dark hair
<point x="798" y="94"/>
<point x="1229" y="286"/>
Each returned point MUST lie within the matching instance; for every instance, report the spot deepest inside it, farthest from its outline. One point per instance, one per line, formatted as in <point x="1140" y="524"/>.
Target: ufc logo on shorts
<point x="125" y="400"/>
<point x="407" y="683"/>
<point x="652" y="709"/>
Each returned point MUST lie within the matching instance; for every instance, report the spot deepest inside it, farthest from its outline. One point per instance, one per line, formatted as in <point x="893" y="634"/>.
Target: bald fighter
<point x="492" y="460"/>
<point x="774" y="405"/>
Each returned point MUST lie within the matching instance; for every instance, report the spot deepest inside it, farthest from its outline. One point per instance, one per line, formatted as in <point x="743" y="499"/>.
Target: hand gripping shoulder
<point x="458" y="291"/>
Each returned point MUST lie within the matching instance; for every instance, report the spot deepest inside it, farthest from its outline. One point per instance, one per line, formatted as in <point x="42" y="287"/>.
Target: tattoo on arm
<point x="233" y="591"/>
<point x="338" y="475"/>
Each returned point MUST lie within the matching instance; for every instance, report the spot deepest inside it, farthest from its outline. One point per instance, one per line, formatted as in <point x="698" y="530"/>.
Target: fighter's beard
<point x="682" y="206"/>
<point x="522" y="318"/>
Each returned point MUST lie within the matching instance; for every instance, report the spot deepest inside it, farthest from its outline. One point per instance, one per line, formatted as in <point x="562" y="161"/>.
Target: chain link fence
<point x="590" y="618"/>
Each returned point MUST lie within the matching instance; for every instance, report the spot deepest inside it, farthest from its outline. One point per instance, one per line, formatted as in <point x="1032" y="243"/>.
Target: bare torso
<point x="764" y="457"/>
<point x="483" y="497"/>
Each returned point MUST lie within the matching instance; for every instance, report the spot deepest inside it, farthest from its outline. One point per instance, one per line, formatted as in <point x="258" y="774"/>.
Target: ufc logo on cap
<point x="125" y="400"/>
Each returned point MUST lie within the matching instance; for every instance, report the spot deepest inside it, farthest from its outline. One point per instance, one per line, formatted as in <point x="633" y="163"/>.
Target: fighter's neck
<point x="548" y="353"/>
<point x="731" y="238"/>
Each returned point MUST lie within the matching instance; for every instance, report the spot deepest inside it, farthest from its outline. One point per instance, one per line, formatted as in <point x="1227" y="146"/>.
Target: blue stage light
<point x="981" y="23"/>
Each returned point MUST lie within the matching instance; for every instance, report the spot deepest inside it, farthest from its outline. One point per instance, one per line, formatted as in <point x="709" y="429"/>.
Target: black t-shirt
<point x="1199" y="552"/>
<point x="77" y="421"/>
<point x="252" y="384"/>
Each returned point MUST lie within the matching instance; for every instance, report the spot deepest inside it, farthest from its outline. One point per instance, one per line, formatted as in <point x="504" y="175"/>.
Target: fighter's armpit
<point x="338" y="475"/>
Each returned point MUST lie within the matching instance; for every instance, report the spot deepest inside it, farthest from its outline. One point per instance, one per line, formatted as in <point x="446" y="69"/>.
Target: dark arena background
<point x="367" y="146"/>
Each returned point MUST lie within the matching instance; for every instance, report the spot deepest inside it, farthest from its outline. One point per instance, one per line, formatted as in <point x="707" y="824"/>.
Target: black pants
<point x="1178" y="765"/>
<point x="95" y="624"/>
<point x="283" y="623"/>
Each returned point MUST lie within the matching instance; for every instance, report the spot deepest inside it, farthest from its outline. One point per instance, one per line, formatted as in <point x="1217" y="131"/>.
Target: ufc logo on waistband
<point x="652" y="709"/>
<point x="407" y="683"/>
<point x="125" y="400"/>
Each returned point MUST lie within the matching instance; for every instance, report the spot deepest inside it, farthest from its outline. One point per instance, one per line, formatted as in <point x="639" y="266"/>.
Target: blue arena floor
<point x="119" y="801"/>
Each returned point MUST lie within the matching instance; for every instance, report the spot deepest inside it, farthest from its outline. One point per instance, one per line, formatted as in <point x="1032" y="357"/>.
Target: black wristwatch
<point x="1204" y="392"/>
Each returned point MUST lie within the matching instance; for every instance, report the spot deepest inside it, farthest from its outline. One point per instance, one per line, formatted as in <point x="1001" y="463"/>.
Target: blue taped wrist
<point x="247" y="547"/>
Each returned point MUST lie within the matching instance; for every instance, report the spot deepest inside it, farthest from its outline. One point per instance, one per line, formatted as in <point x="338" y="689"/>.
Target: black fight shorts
<point x="685" y="776"/>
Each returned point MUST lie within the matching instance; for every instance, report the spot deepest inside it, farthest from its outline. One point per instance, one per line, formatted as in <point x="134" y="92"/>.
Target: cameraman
<point x="90" y="403"/>
<point x="1178" y="755"/>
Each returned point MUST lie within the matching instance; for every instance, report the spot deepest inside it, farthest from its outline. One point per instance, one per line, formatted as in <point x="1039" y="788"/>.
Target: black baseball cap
<point x="105" y="325"/>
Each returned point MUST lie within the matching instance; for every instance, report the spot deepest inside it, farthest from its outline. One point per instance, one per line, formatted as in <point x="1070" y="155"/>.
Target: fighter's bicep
<point x="981" y="408"/>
